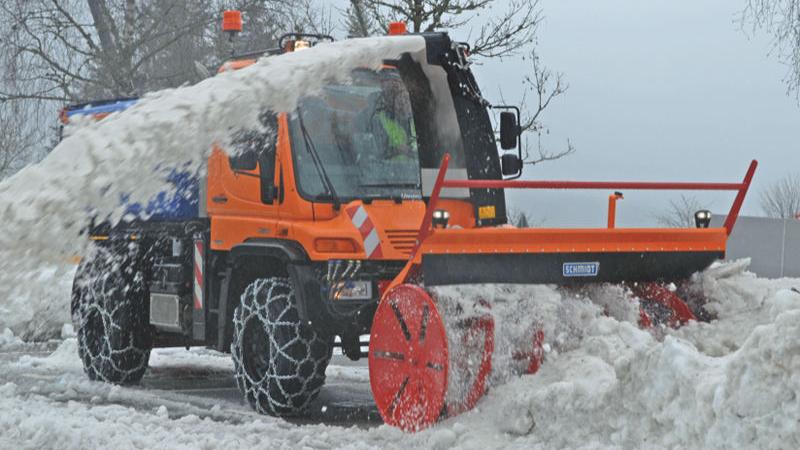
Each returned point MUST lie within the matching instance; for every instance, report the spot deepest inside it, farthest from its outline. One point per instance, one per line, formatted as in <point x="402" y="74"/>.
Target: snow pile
<point x="43" y="207"/>
<point x="34" y="303"/>
<point x="8" y="341"/>
<point x="731" y="383"/>
<point x="519" y="312"/>
<point x="64" y="358"/>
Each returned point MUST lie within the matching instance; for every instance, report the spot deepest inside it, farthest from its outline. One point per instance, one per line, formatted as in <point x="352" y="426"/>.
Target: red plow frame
<point x="409" y="370"/>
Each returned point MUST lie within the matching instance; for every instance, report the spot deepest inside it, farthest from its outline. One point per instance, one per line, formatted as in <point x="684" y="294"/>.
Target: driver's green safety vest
<point x="394" y="131"/>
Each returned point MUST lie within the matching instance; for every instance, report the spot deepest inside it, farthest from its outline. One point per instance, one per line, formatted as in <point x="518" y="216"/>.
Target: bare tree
<point x="309" y="16"/>
<point x="544" y="86"/>
<point x="58" y="51"/>
<point x="78" y="49"/>
<point x="511" y="25"/>
<point x="358" y="21"/>
<point x="680" y="213"/>
<point x="782" y="198"/>
<point x="23" y="130"/>
<point x="522" y="219"/>
<point x="18" y="138"/>
<point x="780" y="18"/>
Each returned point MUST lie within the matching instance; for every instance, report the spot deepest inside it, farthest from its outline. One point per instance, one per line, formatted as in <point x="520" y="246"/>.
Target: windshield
<point x="359" y="138"/>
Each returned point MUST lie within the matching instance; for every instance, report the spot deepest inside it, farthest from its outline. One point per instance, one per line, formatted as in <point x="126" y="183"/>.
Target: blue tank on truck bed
<point x="182" y="203"/>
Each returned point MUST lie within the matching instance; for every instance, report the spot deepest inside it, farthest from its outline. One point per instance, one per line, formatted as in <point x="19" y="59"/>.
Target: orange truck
<point x="332" y="221"/>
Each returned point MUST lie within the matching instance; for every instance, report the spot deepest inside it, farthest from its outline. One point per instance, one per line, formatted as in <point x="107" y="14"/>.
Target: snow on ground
<point x="730" y="383"/>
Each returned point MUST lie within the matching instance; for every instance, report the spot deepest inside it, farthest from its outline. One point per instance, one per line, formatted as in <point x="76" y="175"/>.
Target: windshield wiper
<point x="323" y="175"/>
<point x="396" y="197"/>
<point x="388" y="185"/>
<point x="367" y="199"/>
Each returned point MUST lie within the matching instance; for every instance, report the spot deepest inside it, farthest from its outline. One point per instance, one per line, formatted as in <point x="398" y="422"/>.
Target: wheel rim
<point x="255" y="350"/>
<point x="408" y="359"/>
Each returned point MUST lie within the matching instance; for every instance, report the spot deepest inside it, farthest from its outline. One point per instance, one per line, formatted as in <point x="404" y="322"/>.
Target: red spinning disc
<point x="678" y="311"/>
<point x="408" y="359"/>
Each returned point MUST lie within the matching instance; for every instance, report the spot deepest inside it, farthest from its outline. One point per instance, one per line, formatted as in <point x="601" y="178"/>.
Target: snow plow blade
<point x="541" y="256"/>
<point x="429" y="360"/>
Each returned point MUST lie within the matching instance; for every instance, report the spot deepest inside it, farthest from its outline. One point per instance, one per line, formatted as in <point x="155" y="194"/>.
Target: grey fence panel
<point x="791" y="255"/>
<point x="773" y="245"/>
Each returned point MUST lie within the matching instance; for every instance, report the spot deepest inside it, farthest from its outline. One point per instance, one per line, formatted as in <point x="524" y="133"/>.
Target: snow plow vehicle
<point x="337" y="220"/>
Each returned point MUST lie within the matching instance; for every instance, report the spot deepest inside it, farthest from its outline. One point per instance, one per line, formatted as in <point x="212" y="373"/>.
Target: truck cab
<point x="317" y="211"/>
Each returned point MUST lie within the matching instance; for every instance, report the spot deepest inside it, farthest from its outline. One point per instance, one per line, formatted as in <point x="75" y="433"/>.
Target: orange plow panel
<point x="548" y="240"/>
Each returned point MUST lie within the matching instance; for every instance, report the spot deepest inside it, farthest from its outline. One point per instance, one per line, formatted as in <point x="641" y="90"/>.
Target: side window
<point x="255" y="149"/>
<point x="244" y="160"/>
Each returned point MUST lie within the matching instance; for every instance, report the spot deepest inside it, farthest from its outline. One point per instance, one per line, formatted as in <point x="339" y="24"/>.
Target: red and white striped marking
<point x="369" y="233"/>
<point x="199" y="264"/>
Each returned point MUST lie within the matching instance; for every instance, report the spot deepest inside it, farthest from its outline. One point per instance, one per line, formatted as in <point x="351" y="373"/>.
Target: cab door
<point x="241" y="179"/>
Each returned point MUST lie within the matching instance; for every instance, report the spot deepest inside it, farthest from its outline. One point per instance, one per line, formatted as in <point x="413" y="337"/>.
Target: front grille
<point x="402" y="240"/>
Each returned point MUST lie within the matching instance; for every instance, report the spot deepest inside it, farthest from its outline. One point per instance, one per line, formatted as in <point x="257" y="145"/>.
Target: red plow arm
<point x="730" y="221"/>
<point x="631" y="254"/>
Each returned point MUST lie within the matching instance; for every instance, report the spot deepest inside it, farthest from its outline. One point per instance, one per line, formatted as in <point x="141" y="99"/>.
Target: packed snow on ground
<point x="605" y="383"/>
<point x="44" y="206"/>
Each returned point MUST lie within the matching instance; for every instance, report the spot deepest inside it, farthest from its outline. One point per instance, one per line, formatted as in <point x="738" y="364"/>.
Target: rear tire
<point x="279" y="362"/>
<point x="109" y="310"/>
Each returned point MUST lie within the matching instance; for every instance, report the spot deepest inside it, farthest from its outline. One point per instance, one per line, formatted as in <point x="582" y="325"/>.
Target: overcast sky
<point x="659" y="90"/>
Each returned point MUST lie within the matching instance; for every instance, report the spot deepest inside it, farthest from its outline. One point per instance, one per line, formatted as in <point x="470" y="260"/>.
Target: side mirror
<point x="509" y="130"/>
<point x="511" y="164"/>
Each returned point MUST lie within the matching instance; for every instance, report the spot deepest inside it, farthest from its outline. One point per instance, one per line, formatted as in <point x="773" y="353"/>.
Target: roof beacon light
<point x="397" y="28"/>
<point x="232" y="22"/>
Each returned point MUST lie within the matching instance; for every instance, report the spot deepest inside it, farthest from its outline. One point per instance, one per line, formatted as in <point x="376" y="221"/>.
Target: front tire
<point x="109" y="310"/>
<point x="279" y="362"/>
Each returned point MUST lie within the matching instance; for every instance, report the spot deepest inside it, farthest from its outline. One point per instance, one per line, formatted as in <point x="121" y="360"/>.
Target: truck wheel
<point x="279" y="362"/>
<point x="109" y="310"/>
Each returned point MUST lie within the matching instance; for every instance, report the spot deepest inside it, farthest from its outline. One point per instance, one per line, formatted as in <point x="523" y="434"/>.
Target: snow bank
<point x="34" y="303"/>
<point x="43" y="207"/>
<point x="731" y="383"/>
<point x="8" y="341"/>
<point x="63" y="358"/>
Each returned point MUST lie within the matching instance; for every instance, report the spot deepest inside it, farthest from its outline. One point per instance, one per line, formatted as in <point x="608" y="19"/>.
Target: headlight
<point x="440" y="218"/>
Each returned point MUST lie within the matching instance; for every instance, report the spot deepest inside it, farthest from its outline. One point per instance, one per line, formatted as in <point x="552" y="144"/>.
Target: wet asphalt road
<point x="207" y="390"/>
<point x="341" y="402"/>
